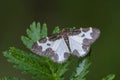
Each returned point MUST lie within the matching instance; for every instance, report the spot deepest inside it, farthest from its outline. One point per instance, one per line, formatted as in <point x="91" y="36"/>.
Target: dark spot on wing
<point x="43" y="40"/>
<point x="86" y="48"/>
<point x="54" y="56"/>
<point x="83" y="35"/>
<point x="49" y="52"/>
<point x="36" y="49"/>
<point x="76" y="53"/>
<point x="85" y="29"/>
<point x="95" y="34"/>
<point x="87" y="41"/>
<point x="74" y="32"/>
<point x="54" y="37"/>
<point x="66" y="55"/>
<point x="48" y="44"/>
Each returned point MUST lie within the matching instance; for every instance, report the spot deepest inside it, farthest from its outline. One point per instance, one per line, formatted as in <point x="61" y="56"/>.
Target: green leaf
<point x="109" y="77"/>
<point x="26" y="41"/>
<point x="81" y="70"/>
<point x="56" y="30"/>
<point x="39" y="67"/>
<point x="35" y="33"/>
<point x="62" y="69"/>
<point x="10" y="78"/>
<point x="30" y="63"/>
<point x="44" y="31"/>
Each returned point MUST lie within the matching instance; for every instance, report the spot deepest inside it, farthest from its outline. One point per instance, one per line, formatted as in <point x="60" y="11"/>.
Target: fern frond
<point x="10" y="78"/>
<point x="109" y="77"/>
<point x="35" y="33"/>
<point x="82" y="69"/>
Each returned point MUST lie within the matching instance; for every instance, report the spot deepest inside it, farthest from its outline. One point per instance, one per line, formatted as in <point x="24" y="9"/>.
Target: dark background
<point x="17" y="15"/>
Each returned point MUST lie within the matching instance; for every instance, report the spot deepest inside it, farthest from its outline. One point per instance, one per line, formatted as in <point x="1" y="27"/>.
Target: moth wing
<point x="61" y="49"/>
<point x="57" y="49"/>
<point x="80" y="43"/>
<point x="76" y="46"/>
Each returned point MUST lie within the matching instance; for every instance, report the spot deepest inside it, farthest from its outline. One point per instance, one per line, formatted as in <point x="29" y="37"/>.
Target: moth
<point x="69" y="41"/>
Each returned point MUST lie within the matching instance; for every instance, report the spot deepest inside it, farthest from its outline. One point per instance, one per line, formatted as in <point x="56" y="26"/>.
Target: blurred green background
<point x="17" y="15"/>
